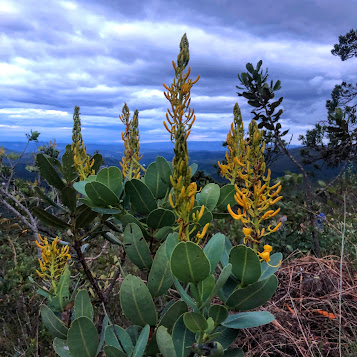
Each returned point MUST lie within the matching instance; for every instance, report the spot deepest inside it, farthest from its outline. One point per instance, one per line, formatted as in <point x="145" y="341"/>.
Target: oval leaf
<point x="195" y="322"/>
<point x="160" y="217"/>
<point x="245" y="264"/>
<point x="136" y="302"/>
<point x="100" y="194"/>
<point x="165" y="342"/>
<point x="154" y="182"/>
<point x="253" y="295"/>
<point x="160" y="277"/>
<point x="248" y="319"/>
<point x="82" y="305"/>
<point x="183" y="338"/>
<point x="53" y="324"/>
<point x="209" y="196"/>
<point x="82" y="338"/>
<point x="136" y="247"/>
<point x="189" y="263"/>
<point x="140" y="196"/>
<point x="112" y="178"/>
<point x="214" y="250"/>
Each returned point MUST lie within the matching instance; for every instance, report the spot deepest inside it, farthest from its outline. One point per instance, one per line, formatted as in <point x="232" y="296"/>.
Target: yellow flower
<point x="82" y="163"/>
<point x="179" y="121"/>
<point x="53" y="261"/>
<point x="265" y="255"/>
<point x="236" y="148"/>
<point x="130" y="162"/>
<point x="256" y="196"/>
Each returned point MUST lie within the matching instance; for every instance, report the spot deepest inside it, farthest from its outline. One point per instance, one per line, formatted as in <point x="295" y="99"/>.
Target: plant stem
<point x="340" y="285"/>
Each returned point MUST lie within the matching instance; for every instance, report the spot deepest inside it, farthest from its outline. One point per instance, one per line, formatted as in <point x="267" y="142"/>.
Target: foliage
<point x="150" y="273"/>
<point x="158" y="221"/>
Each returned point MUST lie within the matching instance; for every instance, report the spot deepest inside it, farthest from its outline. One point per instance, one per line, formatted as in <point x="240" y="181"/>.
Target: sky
<point x="100" y="54"/>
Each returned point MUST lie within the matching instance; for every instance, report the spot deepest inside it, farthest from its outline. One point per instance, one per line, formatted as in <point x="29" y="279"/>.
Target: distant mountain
<point x="205" y="154"/>
<point x="113" y="149"/>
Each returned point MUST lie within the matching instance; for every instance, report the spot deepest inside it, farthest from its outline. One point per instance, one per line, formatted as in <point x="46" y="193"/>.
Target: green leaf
<point x="195" y="322"/>
<point x="80" y="186"/>
<point x="48" y="218"/>
<point x="226" y="272"/>
<point x="227" y="248"/>
<point x="205" y="287"/>
<point x="165" y="342"/>
<point x="100" y="194"/>
<point x="136" y="302"/>
<point x="267" y="270"/>
<point x="98" y="159"/>
<point x="85" y="217"/>
<point x="110" y="237"/>
<point x="227" y="336"/>
<point x="189" y="263"/>
<point x="61" y="347"/>
<point x="136" y="247"/>
<point x="248" y="319"/>
<point x="245" y="264"/>
<point x="253" y="295"/>
<point x="209" y="196"/>
<point x="163" y="233"/>
<point x="82" y="338"/>
<point x="140" y="196"/>
<point x="102" y="333"/>
<point x="214" y="249"/>
<point x="68" y="171"/>
<point x="172" y="314"/>
<point x="69" y="198"/>
<point x="111" y="351"/>
<point x="53" y="324"/>
<point x="124" y="337"/>
<point x="164" y="169"/>
<point x="154" y="181"/>
<point x="45" y="197"/>
<point x="82" y="305"/>
<point x="226" y="197"/>
<point x="59" y="302"/>
<point x="183" y="338"/>
<point x="160" y="277"/>
<point x="133" y="332"/>
<point x="125" y="219"/>
<point x="171" y="242"/>
<point x="188" y="300"/>
<point x="142" y="341"/>
<point x="160" y="217"/>
<point x="112" y="178"/>
<point x="218" y="313"/>
<point x="48" y="172"/>
<point x="228" y="288"/>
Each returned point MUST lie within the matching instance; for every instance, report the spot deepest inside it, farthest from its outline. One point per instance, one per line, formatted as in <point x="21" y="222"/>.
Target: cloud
<point x="100" y="55"/>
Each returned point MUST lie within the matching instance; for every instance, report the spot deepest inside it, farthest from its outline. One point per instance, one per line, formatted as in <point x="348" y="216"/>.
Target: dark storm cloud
<point x="100" y="54"/>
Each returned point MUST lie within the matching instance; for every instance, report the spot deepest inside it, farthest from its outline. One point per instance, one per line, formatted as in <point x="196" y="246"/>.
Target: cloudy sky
<point x="100" y="54"/>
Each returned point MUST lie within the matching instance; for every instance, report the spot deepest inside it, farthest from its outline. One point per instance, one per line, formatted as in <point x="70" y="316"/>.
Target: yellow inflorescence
<point x="130" y="162"/>
<point x="257" y="196"/>
<point x="236" y="148"/>
<point x="53" y="261"/>
<point x="82" y="163"/>
<point x="179" y="123"/>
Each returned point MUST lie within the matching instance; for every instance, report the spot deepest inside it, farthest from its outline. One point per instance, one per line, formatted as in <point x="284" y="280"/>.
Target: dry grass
<point x="306" y="308"/>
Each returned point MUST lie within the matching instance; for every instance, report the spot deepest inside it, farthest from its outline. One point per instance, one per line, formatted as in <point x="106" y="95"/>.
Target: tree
<point x="347" y="46"/>
<point x="260" y="95"/>
<point x="335" y="139"/>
